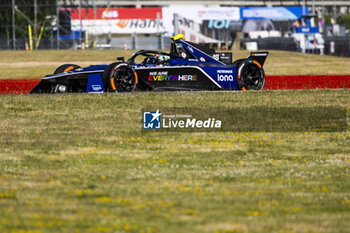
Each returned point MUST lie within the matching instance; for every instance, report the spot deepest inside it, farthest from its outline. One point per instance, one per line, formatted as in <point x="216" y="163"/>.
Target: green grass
<point x="80" y="163"/>
<point x="37" y="64"/>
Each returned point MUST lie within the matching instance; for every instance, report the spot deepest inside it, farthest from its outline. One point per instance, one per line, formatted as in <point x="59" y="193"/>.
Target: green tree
<point x="25" y="8"/>
<point x="345" y="19"/>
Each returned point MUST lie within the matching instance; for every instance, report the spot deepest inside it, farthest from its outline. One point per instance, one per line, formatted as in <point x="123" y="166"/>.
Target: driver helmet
<point x="161" y="58"/>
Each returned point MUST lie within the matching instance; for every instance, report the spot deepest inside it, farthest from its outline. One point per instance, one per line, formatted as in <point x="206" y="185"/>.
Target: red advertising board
<point x="116" y="13"/>
<point x="283" y="82"/>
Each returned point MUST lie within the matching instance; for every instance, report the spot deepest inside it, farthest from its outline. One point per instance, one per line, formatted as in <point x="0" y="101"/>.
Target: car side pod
<point x="250" y="72"/>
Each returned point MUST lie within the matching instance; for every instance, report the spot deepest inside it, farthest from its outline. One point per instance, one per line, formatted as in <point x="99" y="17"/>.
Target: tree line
<point x="25" y="15"/>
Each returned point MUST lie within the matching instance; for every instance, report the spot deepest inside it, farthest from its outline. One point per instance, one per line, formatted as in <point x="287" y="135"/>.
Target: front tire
<point x="251" y="75"/>
<point x="66" y="68"/>
<point x="120" y="77"/>
<point x="106" y="76"/>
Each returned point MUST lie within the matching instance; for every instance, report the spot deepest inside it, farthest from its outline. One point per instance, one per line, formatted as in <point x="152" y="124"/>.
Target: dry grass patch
<point x="81" y="163"/>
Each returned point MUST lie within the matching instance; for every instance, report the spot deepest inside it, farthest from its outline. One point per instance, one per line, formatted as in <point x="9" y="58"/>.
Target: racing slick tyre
<point x="66" y="68"/>
<point x="120" y="77"/>
<point x="106" y="74"/>
<point x="250" y="75"/>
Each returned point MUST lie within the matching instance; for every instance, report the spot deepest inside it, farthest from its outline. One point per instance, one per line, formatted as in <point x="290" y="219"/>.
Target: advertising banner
<point x="195" y="22"/>
<point x="116" y="13"/>
<point x="117" y="20"/>
<point x="272" y="13"/>
<point x="307" y="30"/>
<point x="191" y="19"/>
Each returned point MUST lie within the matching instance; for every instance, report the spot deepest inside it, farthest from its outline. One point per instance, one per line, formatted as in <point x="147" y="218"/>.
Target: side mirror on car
<point x="121" y="59"/>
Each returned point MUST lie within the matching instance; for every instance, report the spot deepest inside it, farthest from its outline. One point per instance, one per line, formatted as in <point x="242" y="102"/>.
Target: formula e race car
<point x="188" y="66"/>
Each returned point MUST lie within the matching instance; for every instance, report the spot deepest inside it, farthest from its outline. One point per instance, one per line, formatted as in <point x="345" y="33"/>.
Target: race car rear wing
<point x="259" y="57"/>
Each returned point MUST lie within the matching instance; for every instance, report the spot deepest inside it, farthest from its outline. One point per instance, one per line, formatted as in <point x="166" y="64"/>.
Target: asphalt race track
<point x="285" y="82"/>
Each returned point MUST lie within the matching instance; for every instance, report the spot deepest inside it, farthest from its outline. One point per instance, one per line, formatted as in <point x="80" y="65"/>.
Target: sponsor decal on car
<point x="164" y="76"/>
<point x="216" y="57"/>
<point x="96" y="87"/>
<point x="225" y="75"/>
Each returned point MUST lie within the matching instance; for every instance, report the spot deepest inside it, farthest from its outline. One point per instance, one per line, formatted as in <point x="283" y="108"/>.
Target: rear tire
<point x="66" y="68"/>
<point x="250" y="75"/>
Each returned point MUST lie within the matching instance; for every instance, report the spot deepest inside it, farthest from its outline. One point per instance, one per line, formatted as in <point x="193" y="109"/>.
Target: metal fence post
<point x="35" y="21"/>
<point x="134" y="41"/>
<point x="13" y="26"/>
<point x="176" y="24"/>
<point x="161" y="41"/>
<point x="58" y="25"/>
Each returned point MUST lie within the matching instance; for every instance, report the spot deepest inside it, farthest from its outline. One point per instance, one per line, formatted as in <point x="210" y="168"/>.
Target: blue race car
<point x="188" y="66"/>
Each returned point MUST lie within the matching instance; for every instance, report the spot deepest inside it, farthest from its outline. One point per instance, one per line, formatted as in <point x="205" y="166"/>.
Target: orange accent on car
<point x="136" y="78"/>
<point x="112" y="84"/>
<point x="257" y="63"/>
<point x="68" y="69"/>
<point x="243" y="89"/>
<point x="239" y="77"/>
